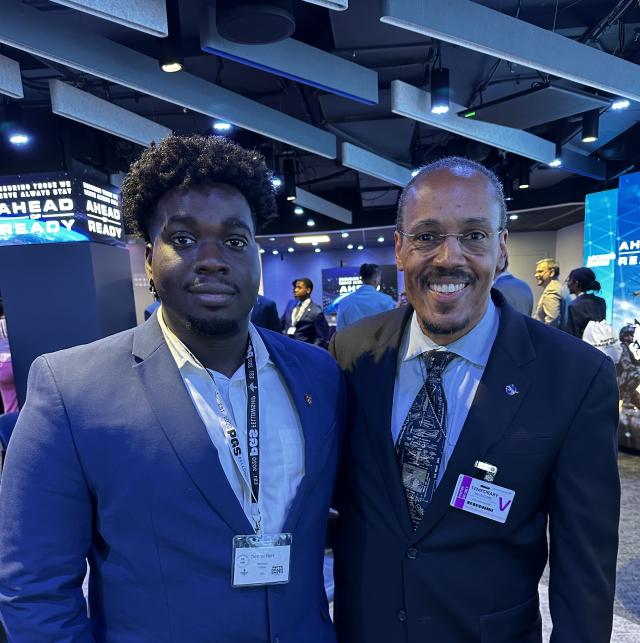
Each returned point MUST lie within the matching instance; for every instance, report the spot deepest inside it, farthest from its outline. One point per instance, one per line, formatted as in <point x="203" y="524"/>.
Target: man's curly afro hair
<point x="191" y="161"/>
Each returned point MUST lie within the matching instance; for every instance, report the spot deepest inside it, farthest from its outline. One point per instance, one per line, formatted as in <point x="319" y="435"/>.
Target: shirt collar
<point x="183" y="356"/>
<point x="501" y="275"/>
<point x="475" y="346"/>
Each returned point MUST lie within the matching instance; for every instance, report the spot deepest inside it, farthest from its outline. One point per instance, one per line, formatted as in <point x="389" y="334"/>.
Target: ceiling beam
<point x="369" y="163"/>
<point x="295" y="60"/>
<point x="95" y="112"/>
<point x="149" y="16"/>
<point x="414" y="103"/>
<point x="476" y="27"/>
<point x="54" y="38"/>
<point x="10" y="79"/>
<point x="316" y="203"/>
<point x="337" y="5"/>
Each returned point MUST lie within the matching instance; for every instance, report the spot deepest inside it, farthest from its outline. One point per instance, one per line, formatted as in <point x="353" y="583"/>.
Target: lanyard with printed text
<point x="250" y="473"/>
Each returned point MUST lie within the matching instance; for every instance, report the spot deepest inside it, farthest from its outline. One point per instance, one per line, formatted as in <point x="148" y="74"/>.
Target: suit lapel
<point x="490" y="414"/>
<point x="181" y="423"/>
<point x="383" y="361"/>
<point x="299" y="386"/>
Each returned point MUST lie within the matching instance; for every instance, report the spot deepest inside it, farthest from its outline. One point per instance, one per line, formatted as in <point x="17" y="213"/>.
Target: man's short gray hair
<point x="462" y="167"/>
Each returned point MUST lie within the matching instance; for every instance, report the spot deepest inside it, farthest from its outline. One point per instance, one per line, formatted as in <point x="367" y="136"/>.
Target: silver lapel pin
<point x="308" y="399"/>
<point x="511" y="389"/>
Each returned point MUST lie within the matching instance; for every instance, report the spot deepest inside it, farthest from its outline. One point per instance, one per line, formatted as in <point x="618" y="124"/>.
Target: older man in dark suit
<point x="472" y="428"/>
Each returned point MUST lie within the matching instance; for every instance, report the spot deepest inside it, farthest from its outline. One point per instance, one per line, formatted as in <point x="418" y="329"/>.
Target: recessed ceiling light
<point x="272" y="238"/>
<point x="360" y="247"/>
<point x="298" y="210"/>
<point x="276" y="182"/>
<point x="556" y="163"/>
<point x="415" y="172"/>
<point x="290" y="249"/>
<point x="513" y="217"/>
<point x="19" y="139"/>
<point x="274" y="252"/>
<point x="314" y="243"/>
<point x="317" y="250"/>
<point x="620" y="103"/>
<point x="222" y="126"/>
<point x="380" y="239"/>
<point x="310" y="238"/>
<point x="261" y="251"/>
<point x="344" y="235"/>
<point x="311" y="223"/>
<point x="350" y="246"/>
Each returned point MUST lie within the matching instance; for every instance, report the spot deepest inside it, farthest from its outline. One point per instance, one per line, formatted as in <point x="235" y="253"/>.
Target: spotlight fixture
<point x="276" y="182"/>
<point x="557" y="159"/>
<point x="513" y="217"/>
<point x="19" y="139"/>
<point x="590" y="122"/>
<point x="171" y="59"/>
<point x="298" y="210"/>
<point x="311" y="223"/>
<point x="524" y="175"/>
<point x="507" y="189"/>
<point x="289" y="172"/>
<point x="222" y="126"/>
<point x="620" y="103"/>
<point x="440" y="91"/>
<point x="344" y="235"/>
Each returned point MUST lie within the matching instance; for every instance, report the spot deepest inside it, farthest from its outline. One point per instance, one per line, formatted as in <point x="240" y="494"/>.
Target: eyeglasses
<point x="474" y="242"/>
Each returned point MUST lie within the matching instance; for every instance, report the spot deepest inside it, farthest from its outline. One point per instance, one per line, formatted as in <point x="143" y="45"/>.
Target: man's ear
<point x="397" y="238"/>
<point x="148" y="257"/>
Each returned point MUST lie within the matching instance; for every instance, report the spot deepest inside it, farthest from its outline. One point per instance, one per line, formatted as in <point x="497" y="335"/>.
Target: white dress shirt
<point x="460" y="379"/>
<point x="281" y="437"/>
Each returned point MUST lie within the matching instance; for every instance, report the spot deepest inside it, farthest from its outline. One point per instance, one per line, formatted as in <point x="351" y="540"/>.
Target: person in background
<point x="478" y="441"/>
<point x="554" y="300"/>
<point x="516" y="291"/>
<point x="402" y="299"/>
<point x="303" y="319"/>
<point x="628" y="368"/>
<point x="7" y="384"/>
<point x="586" y="306"/>
<point x="191" y="459"/>
<point x="265" y="314"/>
<point x="365" y="301"/>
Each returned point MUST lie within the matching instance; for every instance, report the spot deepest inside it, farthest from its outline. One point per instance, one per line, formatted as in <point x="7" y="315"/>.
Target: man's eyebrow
<point x="440" y="223"/>
<point x="187" y="219"/>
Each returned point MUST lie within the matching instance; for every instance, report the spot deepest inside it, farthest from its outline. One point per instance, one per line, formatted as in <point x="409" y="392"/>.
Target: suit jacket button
<point x="412" y="553"/>
<point x="402" y="615"/>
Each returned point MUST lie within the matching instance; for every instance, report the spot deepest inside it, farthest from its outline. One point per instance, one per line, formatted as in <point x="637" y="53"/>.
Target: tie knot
<point x="436" y="362"/>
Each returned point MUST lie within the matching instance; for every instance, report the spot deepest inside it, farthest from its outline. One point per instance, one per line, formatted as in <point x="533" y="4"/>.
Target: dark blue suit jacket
<point x="312" y="327"/>
<point x="460" y="578"/>
<point x="110" y="460"/>
<point x="265" y="314"/>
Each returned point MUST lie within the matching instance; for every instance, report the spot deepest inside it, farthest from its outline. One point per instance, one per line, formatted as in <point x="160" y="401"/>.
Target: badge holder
<point x="261" y="559"/>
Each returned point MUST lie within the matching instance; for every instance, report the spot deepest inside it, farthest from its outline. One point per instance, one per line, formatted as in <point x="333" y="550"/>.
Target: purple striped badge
<point x="463" y="489"/>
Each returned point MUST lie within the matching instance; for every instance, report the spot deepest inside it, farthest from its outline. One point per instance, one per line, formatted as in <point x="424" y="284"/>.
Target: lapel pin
<point x="511" y="389"/>
<point x="308" y="399"/>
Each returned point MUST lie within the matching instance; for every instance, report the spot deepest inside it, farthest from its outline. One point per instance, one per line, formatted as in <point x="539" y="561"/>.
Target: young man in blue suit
<point x="472" y="428"/>
<point x="191" y="460"/>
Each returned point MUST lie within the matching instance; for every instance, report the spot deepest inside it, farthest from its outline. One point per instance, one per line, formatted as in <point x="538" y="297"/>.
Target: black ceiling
<point x="395" y="54"/>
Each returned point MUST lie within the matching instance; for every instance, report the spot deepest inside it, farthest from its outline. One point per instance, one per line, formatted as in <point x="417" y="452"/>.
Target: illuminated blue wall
<point x="600" y="221"/>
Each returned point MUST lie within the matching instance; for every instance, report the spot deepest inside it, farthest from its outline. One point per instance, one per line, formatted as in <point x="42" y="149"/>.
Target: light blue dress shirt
<point x="281" y="437"/>
<point x="363" y="302"/>
<point x="460" y="378"/>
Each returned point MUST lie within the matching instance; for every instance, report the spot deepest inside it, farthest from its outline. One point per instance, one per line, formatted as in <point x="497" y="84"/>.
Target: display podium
<point x="65" y="272"/>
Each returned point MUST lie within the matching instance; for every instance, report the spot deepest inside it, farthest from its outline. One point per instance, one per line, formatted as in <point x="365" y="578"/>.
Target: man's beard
<point x="213" y="327"/>
<point x="438" y="329"/>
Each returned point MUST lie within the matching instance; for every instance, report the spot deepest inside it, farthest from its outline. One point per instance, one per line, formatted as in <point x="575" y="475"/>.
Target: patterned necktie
<point x="420" y="445"/>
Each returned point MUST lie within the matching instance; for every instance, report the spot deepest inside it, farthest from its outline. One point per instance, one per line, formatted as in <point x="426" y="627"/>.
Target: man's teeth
<point x="446" y="288"/>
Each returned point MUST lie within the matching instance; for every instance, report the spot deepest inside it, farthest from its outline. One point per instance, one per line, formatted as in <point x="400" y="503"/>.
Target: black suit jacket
<point x="460" y="578"/>
<point x="265" y="314"/>
<point x="312" y="327"/>
<point x="583" y="309"/>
